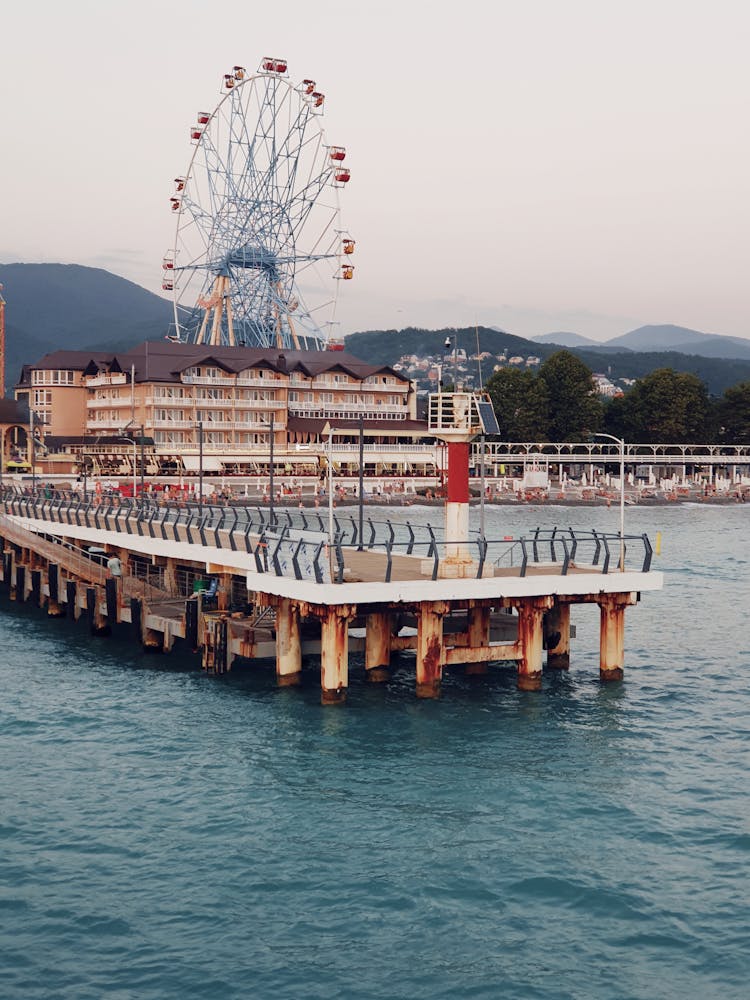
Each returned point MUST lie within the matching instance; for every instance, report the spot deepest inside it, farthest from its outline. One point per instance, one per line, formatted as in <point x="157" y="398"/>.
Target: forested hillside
<point x="50" y="306"/>
<point x="386" y="346"/>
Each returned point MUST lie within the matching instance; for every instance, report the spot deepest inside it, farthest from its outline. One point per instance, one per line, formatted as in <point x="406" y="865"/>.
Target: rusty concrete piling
<point x="288" y="644"/>
<point x="557" y="635"/>
<point x="378" y="645"/>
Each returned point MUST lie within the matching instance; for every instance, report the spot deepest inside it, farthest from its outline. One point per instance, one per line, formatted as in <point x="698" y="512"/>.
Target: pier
<point x="283" y="588"/>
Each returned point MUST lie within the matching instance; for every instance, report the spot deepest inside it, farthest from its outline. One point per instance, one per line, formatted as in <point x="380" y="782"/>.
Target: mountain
<point x="565" y="339"/>
<point x="680" y="338"/>
<point x="49" y="306"/>
<point x="386" y="346"/>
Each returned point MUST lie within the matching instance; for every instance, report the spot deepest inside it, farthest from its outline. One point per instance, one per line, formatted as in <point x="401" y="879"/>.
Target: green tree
<point x="575" y="411"/>
<point x="666" y="406"/>
<point x="520" y="401"/>
<point x="733" y="413"/>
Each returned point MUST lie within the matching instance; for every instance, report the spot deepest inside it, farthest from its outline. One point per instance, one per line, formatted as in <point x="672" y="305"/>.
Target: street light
<point x="328" y="430"/>
<point x="450" y="347"/>
<point x="132" y="440"/>
<point x="200" y="467"/>
<point x="32" y="455"/>
<point x="621" y="443"/>
<point x="135" y="463"/>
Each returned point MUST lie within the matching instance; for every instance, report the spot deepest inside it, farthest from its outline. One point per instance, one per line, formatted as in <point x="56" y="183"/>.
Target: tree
<point x="520" y="402"/>
<point x="733" y="411"/>
<point x="666" y="406"/>
<point x="575" y="411"/>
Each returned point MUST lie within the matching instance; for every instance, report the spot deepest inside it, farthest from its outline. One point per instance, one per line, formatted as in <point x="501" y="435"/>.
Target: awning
<point x="192" y="463"/>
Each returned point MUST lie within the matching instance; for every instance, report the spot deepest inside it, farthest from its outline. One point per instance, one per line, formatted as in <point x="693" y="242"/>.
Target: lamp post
<point x="32" y="455"/>
<point x="361" y="479"/>
<point x="143" y="464"/>
<point x="134" y="443"/>
<point x="200" y="467"/>
<point x="621" y="443"/>
<point x="271" y="460"/>
<point x="132" y="440"/>
<point x="328" y="429"/>
<point x="84" y="463"/>
<point x="450" y="346"/>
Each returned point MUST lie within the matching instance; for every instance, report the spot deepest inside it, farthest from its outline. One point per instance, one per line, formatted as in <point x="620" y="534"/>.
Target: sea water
<point x="165" y="834"/>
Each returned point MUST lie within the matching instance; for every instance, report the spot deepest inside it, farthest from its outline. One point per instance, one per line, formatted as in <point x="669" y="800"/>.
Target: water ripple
<point x="166" y="834"/>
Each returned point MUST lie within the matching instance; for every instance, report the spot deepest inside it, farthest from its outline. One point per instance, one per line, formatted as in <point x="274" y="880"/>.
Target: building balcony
<point x="168" y="401"/>
<point x="369" y="387"/>
<point x="411" y="449"/>
<point x="262" y="383"/>
<point x="102" y="404"/>
<point x="225" y="382"/>
<point x="116" y="378"/>
<point x="350" y="411"/>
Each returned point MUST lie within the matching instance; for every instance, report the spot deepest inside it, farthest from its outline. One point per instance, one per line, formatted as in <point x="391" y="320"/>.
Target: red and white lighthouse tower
<point x="457" y="418"/>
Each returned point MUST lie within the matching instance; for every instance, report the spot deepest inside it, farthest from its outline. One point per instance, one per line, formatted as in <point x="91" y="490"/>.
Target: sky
<point x="538" y="166"/>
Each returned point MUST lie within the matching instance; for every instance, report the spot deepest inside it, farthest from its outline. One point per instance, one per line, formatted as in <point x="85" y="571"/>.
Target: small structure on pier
<point x="457" y="418"/>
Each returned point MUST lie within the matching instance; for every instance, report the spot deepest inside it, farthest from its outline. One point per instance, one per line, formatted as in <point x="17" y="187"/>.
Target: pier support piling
<point x="36" y="588"/>
<point x="430" y="656"/>
<point x="334" y="654"/>
<point x="478" y="637"/>
<point x="288" y="644"/>
<point x="378" y="632"/>
<point x="557" y="636"/>
<point x="530" y="641"/>
<point x="18" y="593"/>
<point x="612" y="635"/>
<point x="71" y="599"/>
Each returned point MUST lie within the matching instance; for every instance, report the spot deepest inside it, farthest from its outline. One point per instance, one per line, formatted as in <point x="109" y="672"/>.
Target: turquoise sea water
<point x="165" y="834"/>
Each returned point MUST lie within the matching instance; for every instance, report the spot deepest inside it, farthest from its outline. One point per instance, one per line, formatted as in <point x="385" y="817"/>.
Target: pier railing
<point x="299" y="544"/>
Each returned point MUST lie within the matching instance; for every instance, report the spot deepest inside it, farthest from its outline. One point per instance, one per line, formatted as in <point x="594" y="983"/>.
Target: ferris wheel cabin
<point x="270" y="65"/>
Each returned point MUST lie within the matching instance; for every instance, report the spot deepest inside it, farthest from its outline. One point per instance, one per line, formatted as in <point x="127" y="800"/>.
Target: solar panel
<point x="487" y="417"/>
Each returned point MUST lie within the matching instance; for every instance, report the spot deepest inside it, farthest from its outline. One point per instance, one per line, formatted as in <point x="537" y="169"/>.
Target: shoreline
<point x="410" y="500"/>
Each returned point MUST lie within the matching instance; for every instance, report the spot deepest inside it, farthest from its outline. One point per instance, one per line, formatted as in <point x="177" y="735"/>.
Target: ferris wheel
<point x="259" y="251"/>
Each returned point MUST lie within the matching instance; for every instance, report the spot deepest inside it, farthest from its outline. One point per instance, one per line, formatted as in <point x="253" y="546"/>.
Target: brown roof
<point x="164" y="360"/>
<point x="13" y="411"/>
<point x="73" y="360"/>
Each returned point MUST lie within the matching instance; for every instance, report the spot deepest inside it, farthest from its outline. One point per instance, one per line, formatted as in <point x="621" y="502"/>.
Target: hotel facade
<point x="168" y="407"/>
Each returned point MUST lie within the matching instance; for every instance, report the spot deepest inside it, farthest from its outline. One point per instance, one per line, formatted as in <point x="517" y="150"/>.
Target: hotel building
<point x="172" y="406"/>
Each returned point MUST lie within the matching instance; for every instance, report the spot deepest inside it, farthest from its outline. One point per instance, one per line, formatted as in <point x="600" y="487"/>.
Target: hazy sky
<point x="538" y="165"/>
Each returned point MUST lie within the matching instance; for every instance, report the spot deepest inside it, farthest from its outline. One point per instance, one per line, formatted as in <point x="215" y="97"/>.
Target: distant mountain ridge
<point x="658" y="337"/>
<point x="565" y="338"/>
<point x="51" y="306"/>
